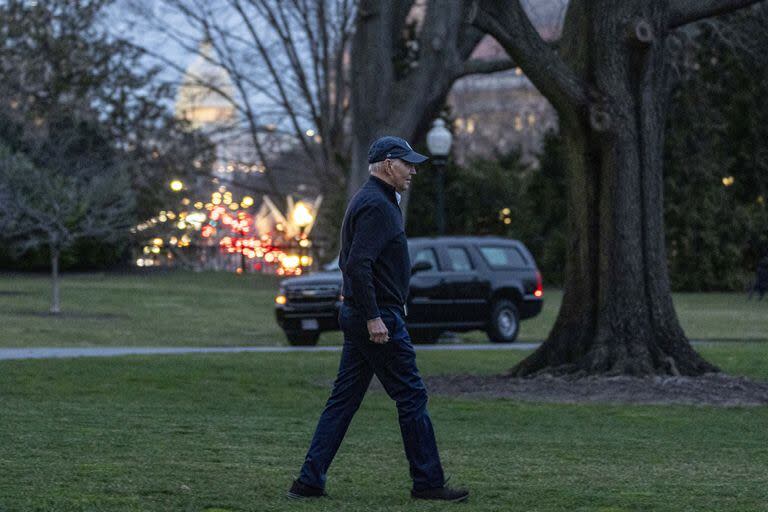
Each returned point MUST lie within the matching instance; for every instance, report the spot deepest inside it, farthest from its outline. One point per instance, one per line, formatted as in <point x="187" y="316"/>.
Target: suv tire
<point x="504" y="324"/>
<point x="302" y="338"/>
<point x="424" y="336"/>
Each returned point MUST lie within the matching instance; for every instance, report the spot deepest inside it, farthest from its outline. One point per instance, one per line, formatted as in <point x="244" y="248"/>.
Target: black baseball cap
<point x="393" y="147"/>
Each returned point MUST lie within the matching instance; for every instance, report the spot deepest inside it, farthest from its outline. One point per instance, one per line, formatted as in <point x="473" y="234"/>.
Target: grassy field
<point x="180" y="308"/>
<point x="217" y="309"/>
<point x="229" y="432"/>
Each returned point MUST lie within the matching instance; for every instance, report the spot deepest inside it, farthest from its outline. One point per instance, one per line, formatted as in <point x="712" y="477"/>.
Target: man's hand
<point x="378" y="331"/>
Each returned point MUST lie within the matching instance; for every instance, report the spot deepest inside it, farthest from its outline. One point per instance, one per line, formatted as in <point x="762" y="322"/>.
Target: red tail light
<point x="539" y="292"/>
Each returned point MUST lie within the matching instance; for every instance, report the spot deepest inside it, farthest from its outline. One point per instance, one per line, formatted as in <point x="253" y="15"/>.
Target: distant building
<point x="205" y="100"/>
<point x="501" y="112"/>
<point x="196" y="100"/>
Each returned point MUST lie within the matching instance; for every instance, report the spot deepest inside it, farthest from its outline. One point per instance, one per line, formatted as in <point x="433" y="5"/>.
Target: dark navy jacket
<point x="374" y="256"/>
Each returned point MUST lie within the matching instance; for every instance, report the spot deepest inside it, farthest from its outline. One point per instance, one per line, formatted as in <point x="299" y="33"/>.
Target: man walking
<point x="376" y="268"/>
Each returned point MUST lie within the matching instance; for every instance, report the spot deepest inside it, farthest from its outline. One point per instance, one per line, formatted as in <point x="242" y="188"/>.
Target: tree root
<point x="613" y="358"/>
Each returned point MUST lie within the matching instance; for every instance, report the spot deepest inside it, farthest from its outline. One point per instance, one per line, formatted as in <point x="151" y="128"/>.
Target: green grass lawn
<point x="217" y="309"/>
<point x="177" y="308"/>
<point x="229" y="432"/>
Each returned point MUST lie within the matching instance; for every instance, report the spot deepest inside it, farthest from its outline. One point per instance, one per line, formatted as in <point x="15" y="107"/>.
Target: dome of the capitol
<point x="199" y="100"/>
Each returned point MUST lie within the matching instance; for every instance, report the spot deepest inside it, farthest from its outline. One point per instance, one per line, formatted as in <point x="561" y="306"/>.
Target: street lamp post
<point x="242" y="269"/>
<point x="439" y="140"/>
<point x="302" y="218"/>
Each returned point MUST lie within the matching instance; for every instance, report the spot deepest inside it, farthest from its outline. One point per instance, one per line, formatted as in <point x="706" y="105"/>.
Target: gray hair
<point x="377" y="167"/>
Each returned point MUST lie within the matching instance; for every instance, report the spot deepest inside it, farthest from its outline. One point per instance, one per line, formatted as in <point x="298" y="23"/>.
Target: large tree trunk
<point x="55" y="301"/>
<point x="388" y="101"/>
<point x="382" y="102"/>
<point x="617" y="315"/>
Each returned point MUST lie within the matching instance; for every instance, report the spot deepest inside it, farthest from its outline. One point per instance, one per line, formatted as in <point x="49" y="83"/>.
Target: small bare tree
<point x="54" y="207"/>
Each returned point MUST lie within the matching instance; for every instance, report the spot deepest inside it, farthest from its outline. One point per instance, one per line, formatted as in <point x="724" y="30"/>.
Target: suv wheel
<point x="504" y="323"/>
<point x="302" y="338"/>
<point x="423" y="336"/>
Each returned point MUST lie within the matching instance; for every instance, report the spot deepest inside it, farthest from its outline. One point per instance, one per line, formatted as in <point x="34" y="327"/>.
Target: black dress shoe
<point x="300" y="491"/>
<point x="441" y="494"/>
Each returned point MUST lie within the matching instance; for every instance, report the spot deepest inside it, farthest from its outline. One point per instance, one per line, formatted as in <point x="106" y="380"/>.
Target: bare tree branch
<point x="286" y="61"/>
<point x="479" y="66"/>
<point x="285" y="100"/>
<point x="251" y="117"/>
<point x="543" y="65"/>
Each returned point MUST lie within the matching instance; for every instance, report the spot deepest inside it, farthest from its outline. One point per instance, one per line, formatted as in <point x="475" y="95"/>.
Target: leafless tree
<point x="55" y="207"/>
<point x="609" y="81"/>
<point x="287" y="61"/>
<point x="85" y="137"/>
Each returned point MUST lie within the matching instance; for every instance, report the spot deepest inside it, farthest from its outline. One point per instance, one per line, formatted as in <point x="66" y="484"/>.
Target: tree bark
<point x="386" y="104"/>
<point x="55" y="300"/>
<point x="617" y="315"/>
<point x="381" y="105"/>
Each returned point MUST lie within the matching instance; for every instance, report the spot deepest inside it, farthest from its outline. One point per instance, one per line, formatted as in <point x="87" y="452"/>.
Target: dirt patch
<point x="712" y="389"/>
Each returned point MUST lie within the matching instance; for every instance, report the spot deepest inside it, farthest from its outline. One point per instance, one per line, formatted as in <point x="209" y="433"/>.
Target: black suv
<point x="457" y="284"/>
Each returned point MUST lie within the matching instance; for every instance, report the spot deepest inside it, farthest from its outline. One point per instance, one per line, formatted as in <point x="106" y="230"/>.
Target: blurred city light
<point x="301" y="215"/>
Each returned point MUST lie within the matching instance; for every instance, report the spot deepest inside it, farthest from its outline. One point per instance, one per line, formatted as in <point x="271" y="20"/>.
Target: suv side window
<point x="427" y="254"/>
<point x="501" y="257"/>
<point x="458" y="258"/>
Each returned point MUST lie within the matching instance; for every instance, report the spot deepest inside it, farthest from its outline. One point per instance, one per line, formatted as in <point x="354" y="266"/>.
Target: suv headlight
<point x="281" y="298"/>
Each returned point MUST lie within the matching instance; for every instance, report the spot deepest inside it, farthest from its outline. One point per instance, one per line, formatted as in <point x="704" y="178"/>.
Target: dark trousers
<point x="394" y="363"/>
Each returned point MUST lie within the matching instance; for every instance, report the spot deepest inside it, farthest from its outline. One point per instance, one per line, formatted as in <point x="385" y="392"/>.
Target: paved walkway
<point x="58" y="353"/>
<point x="7" y="354"/>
